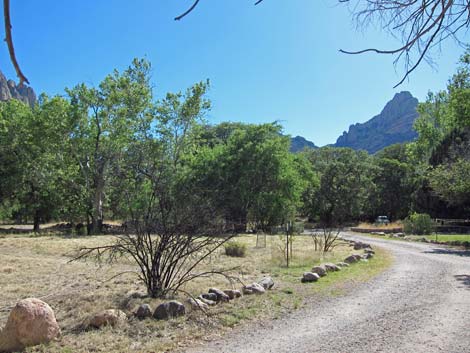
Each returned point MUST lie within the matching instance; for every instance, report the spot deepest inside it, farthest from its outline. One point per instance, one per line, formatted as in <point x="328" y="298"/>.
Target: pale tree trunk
<point x="97" y="215"/>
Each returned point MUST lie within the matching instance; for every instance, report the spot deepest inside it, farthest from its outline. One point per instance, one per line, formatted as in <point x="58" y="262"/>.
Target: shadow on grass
<point x="464" y="253"/>
<point x="464" y="280"/>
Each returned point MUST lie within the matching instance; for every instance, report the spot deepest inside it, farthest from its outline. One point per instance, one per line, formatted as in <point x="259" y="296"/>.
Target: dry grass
<point x="392" y="225"/>
<point x="39" y="267"/>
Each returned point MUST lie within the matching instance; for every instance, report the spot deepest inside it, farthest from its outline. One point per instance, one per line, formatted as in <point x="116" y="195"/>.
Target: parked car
<point x="382" y="220"/>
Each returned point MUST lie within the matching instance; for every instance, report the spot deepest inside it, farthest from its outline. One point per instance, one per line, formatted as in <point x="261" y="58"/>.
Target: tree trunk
<point x="97" y="215"/>
<point x="37" y="220"/>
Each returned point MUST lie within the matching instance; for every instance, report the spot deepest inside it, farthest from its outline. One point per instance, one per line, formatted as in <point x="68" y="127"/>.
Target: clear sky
<point x="276" y="61"/>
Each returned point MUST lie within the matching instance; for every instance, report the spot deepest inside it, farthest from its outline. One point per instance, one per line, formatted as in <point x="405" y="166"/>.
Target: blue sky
<point x="276" y="61"/>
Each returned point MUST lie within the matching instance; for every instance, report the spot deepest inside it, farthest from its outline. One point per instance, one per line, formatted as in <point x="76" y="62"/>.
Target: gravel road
<point x="421" y="304"/>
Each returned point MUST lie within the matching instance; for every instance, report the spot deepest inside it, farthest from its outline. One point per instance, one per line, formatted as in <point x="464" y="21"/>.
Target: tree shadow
<point x="463" y="279"/>
<point x="464" y="253"/>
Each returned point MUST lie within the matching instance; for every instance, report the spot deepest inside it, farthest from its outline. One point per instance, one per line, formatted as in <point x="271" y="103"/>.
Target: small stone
<point x="254" y="288"/>
<point x="352" y="259"/>
<point x="144" y="311"/>
<point x="342" y="264"/>
<point x="310" y="277"/>
<point x="330" y="267"/>
<point x="267" y="282"/>
<point x="210" y="296"/>
<point x="319" y="270"/>
<point x="169" y="310"/>
<point x="221" y="296"/>
<point x="207" y="301"/>
<point x="233" y="293"/>
<point x="112" y="317"/>
<point x="198" y="304"/>
<point x="367" y="256"/>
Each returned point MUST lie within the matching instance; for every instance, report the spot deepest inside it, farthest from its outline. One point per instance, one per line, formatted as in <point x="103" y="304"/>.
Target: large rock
<point x="310" y="277"/>
<point x="267" y="282"/>
<point x="221" y="296"/>
<point x="233" y="293"/>
<point x="330" y="267"/>
<point x="31" y="322"/>
<point x="319" y="270"/>
<point x="169" y="310"/>
<point x="144" y="311"/>
<point x="254" y="288"/>
<point x="111" y="317"/>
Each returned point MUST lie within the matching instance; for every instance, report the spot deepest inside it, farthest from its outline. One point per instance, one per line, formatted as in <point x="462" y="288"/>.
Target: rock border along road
<point x="420" y="304"/>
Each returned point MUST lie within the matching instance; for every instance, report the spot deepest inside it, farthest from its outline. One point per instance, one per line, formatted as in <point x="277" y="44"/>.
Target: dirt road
<point x="421" y="304"/>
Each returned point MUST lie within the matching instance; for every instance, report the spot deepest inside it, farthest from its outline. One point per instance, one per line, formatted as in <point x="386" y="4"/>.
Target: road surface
<point x="420" y="304"/>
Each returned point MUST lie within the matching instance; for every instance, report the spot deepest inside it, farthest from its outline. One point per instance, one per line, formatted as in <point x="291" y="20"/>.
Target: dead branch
<point x="193" y="6"/>
<point x="420" y="25"/>
<point x="9" y="40"/>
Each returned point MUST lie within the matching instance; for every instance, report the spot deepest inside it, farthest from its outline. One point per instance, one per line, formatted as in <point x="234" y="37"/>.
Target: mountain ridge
<point x="10" y="90"/>
<point x="393" y="125"/>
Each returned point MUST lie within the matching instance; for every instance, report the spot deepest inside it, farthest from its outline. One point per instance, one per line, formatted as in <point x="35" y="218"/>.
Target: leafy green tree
<point x="36" y="139"/>
<point x="107" y="120"/>
<point x="171" y="226"/>
<point x="395" y="181"/>
<point x="442" y="113"/>
<point x="451" y="182"/>
<point x="250" y="174"/>
<point x="345" y="183"/>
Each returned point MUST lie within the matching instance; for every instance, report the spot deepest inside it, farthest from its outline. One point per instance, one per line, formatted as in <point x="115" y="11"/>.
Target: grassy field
<point x="39" y="267"/>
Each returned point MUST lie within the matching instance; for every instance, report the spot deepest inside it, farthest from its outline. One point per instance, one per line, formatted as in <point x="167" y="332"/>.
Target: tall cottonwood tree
<point x="106" y="121"/>
<point x="171" y="227"/>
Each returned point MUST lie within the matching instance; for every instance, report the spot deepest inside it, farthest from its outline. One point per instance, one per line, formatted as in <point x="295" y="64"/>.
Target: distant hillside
<point x="393" y="125"/>
<point x="298" y="144"/>
<point x="9" y="90"/>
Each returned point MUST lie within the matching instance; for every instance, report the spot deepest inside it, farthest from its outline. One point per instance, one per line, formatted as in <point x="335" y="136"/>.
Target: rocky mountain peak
<point x="10" y="90"/>
<point x="394" y="124"/>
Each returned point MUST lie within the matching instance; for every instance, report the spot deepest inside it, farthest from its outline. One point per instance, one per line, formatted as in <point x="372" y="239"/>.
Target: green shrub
<point x="235" y="249"/>
<point x="418" y="223"/>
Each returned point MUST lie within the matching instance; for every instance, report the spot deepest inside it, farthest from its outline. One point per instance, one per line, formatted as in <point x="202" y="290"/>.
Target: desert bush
<point x="418" y="223"/>
<point x="235" y="249"/>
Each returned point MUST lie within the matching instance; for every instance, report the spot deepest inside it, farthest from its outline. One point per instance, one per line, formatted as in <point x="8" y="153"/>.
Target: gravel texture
<point x="421" y="304"/>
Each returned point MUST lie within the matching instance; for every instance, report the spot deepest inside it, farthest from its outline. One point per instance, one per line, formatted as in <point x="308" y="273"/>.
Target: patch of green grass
<point x="443" y="238"/>
<point x="449" y="237"/>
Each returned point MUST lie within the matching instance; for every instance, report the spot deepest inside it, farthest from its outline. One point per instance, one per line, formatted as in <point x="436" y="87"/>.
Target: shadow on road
<point x="464" y="279"/>
<point x="449" y="252"/>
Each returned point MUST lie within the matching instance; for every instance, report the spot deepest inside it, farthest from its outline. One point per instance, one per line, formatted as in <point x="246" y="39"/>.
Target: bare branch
<point x="421" y="25"/>
<point x="188" y="11"/>
<point x="9" y="40"/>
